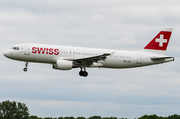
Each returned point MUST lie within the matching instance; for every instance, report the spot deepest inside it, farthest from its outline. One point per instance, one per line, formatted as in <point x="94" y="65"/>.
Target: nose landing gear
<point x="26" y="65"/>
<point x="25" y="69"/>
<point x="83" y="73"/>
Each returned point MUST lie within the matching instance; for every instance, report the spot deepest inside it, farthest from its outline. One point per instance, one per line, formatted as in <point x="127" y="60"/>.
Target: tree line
<point x="18" y="110"/>
<point x="175" y="116"/>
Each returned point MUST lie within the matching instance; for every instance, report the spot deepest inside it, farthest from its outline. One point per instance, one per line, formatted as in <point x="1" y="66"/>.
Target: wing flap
<point x="88" y="61"/>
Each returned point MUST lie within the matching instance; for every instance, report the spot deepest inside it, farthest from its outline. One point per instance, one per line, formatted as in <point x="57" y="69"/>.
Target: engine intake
<point x="63" y="65"/>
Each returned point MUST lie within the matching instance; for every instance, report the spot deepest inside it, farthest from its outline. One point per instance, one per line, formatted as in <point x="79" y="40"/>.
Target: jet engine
<point x="63" y="65"/>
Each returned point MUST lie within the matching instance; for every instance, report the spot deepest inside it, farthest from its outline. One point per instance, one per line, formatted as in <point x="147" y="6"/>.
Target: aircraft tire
<point x="85" y="74"/>
<point x="25" y="69"/>
<point x="81" y="73"/>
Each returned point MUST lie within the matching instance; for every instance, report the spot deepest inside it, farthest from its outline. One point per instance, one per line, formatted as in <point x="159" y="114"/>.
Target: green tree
<point x="175" y="116"/>
<point x="60" y="118"/>
<point x="151" y="117"/>
<point x="68" y="118"/>
<point x="34" y="117"/>
<point x="109" y="118"/>
<point x="95" y="117"/>
<point x="13" y="110"/>
<point x="80" y="118"/>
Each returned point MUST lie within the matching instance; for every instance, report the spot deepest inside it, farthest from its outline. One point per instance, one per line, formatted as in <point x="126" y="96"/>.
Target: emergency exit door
<point x="139" y="58"/>
<point x="27" y="50"/>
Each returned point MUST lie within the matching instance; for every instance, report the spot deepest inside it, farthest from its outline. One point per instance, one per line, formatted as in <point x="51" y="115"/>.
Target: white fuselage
<point x="66" y="57"/>
<point x="50" y="53"/>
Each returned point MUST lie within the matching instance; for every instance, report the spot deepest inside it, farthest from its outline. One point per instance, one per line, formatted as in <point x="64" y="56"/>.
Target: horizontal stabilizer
<point x="156" y="59"/>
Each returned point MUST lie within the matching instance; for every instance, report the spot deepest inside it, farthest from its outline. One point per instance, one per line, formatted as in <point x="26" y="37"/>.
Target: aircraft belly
<point x="35" y="58"/>
<point x="42" y="58"/>
<point x="118" y="63"/>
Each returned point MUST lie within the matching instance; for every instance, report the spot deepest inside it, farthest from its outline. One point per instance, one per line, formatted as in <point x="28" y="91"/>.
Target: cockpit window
<point x="15" y="48"/>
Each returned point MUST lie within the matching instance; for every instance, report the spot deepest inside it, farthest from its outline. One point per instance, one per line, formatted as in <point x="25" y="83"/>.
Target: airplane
<point x="68" y="57"/>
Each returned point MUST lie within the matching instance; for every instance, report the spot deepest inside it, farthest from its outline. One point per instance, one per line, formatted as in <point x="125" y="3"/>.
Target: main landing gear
<point x="83" y="73"/>
<point x="26" y="65"/>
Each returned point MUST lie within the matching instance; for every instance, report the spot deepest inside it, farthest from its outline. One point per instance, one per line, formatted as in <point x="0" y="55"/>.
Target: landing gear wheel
<point x="81" y="73"/>
<point x="85" y="74"/>
<point x="25" y="69"/>
<point x="26" y="65"/>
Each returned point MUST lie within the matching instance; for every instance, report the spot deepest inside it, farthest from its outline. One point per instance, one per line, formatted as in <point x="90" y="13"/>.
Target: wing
<point x="88" y="61"/>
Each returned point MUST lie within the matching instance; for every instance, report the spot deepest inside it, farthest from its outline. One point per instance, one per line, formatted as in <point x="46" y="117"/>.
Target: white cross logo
<point x="161" y="40"/>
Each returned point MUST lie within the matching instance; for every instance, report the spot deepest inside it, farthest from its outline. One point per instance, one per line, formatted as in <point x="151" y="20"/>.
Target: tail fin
<point x="159" y="43"/>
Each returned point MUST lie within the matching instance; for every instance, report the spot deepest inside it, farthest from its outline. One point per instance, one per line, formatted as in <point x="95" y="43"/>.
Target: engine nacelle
<point x="63" y="65"/>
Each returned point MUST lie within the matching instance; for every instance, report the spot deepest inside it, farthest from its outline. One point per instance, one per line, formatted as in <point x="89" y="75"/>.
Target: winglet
<point x="106" y="54"/>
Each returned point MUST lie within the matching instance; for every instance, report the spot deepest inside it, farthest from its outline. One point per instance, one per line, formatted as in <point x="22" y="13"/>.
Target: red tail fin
<point x="160" y="42"/>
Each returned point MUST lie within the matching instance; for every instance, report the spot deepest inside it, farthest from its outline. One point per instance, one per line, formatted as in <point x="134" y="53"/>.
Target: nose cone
<point x="6" y="53"/>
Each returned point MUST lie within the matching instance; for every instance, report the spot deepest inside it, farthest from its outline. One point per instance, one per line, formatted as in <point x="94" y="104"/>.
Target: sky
<point x="111" y="24"/>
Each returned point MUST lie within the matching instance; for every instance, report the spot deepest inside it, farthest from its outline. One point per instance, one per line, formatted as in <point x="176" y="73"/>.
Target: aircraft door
<point x="27" y="50"/>
<point x="73" y="54"/>
<point x="70" y="53"/>
<point x="139" y="58"/>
